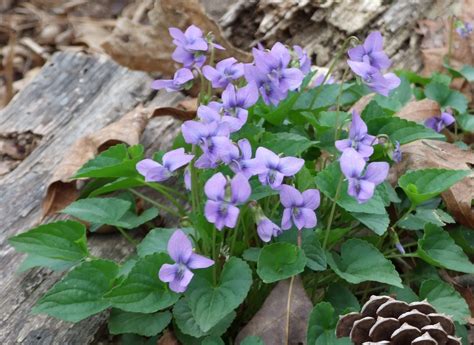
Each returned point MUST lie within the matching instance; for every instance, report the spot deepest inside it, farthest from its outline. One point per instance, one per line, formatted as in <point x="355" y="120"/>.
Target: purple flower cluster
<point x="273" y="74"/>
<point x="179" y="274"/>
<point x="463" y="29"/>
<point x="356" y="150"/>
<point x="368" y="60"/>
<point x="438" y="123"/>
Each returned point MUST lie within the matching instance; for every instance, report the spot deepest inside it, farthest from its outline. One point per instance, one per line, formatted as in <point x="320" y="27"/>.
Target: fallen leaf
<point x="423" y="154"/>
<point x="269" y="323"/>
<point x="360" y="105"/>
<point x="419" y="111"/>
<point x="149" y="47"/>
<point x="91" y="32"/>
<point x="185" y="110"/>
<point x="61" y="189"/>
<point x="167" y="338"/>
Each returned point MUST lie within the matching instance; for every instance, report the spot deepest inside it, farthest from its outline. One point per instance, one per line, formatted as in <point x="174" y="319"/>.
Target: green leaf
<point x="322" y="326"/>
<point x="466" y="122"/>
<point x="439" y="249"/>
<point x="147" y="325"/>
<point x="210" y="303"/>
<point x="401" y="130"/>
<point x="315" y="255"/>
<point x="212" y="340"/>
<point x="156" y="241"/>
<point x="251" y="254"/>
<point x="252" y="340"/>
<point x="111" y="211"/>
<point x="187" y="324"/>
<point x="289" y="144"/>
<point x="424" y="216"/>
<point x="388" y="194"/>
<point x="467" y="72"/>
<point x="260" y="191"/>
<point x="118" y="184"/>
<point x="446" y="97"/>
<point x="142" y="291"/>
<point x="279" y="261"/>
<point x="371" y="213"/>
<point x="80" y="293"/>
<point x="56" y="245"/>
<point x="356" y="268"/>
<point x="117" y="161"/>
<point x="342" y="299"/>
<point x="332" y="118"/>
<point x="445" y="299"/>
<point x="373" y="111"/>
<point x="422" y="185"/>
<point x="404" y="294"/>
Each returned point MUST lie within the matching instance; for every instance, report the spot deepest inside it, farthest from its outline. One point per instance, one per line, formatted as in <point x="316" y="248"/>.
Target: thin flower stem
<point x="450" y="39"/>
<point x="333" y="210"/>
<point x="214" y="256"/>
<point x="338" y="104"/>
<point x="333" y="65"/>
<point x="407" y="255"/>
<point x="162" y="191"/>
<point x="410" y="210"/>
<point x="288" y="310"/>
<point x="127" y="236"/>
<point x="154" y="203"/>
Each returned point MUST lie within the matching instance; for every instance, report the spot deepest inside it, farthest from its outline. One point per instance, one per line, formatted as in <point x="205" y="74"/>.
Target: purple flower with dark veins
<point x="190" y="46"/>
<point x="156" y="172"/>
<point x="438" y="123"/>
<point x="362" y="184"/>
<point x="397" y="153"/>
<point x="266" y="229"/>
<point x="463" y="29"/>
<point x="275" y="167"/>
<point x="240" y="160"/>
<point x="299" y="207"/>
<point x="371" y="52"/>
<point x="224" y="73"/>
<point x="179" y="274"/>
<point x="303" y="62"/>
<point x="373" y="78"/>
<point x="271" y="93"/>
<point x="180" y="80"/>
<point x="223" y="197"/>
<point x="358" y="139"/>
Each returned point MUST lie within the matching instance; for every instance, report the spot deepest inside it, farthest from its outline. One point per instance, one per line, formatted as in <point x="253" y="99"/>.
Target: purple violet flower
<point x="400" y="248"/>
<point x="223" y="197"/>
<point x="270" y="92"/>
<point x="275" y="167"/>
<point x="303" y="61"/>
<point x="156" y="172"/>
<point x="362" y="184"/>
<point x="299" y="207"/>
<point x="212" y="137"/>
<point x="397" y="153"/>
<point x="358" y="139"/>
<point x="179" y="274"/>
<point x="373" y="78"/>
<point x="438" y="123"/>
<point x="190" y="46"/>
<point x="181" y="78"/>
<point x="224" y="73"/>
<point x="266" y="229"/>
<point x="463" y="29"/>
<point x="371" y="52"/>
<point x="319" y="78"/>
<point x="240" y="160"/>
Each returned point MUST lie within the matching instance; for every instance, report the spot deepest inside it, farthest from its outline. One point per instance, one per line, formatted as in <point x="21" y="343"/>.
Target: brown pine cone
<point x="384" y="320"/>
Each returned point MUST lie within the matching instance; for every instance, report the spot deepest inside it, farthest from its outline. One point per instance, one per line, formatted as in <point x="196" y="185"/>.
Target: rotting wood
<point x="74" y="95"/>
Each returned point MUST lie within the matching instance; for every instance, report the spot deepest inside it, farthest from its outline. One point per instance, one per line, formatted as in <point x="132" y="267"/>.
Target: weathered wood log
<point x="322" y="26"/>
<point x="74" y="95"/>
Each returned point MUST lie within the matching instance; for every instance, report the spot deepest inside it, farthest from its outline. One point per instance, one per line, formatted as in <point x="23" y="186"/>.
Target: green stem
<point x="407" y="255"/>
<point x="288" y="310"/>
<point x="450" y="39"/>
<point x="333" y="65"/>
<point x="338" y="104"/>
<point x="214" y="255"/>
<point x="159" y="188"/>
<point x="154" y="203"/>
<point x="127" y="236"/>
<point x="410" y="210"/>
<point x="333" y="210"/>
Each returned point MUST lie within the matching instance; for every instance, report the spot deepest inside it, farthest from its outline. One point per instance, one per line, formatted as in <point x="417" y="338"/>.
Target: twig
<point x="8" y="71"/>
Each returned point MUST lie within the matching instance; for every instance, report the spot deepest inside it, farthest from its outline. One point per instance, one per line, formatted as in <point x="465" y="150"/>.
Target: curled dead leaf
<point x="269" y="323"/>
<point x="61" y="189"/>
<point x="423" y="154"/>
<point x="185" y="110"/>
<point x="419" y="111"/>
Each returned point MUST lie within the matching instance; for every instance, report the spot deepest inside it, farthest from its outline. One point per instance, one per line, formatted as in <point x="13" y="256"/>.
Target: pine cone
<point x="384" y="320"/>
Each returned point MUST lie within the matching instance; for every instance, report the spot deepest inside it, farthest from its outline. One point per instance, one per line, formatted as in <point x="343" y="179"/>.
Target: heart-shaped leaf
<point x="279" y="261"/>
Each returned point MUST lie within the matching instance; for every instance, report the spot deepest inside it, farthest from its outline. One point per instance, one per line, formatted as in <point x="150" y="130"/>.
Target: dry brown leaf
<point x="167" y="338"/>
<point x="419" y="111"/>
<point x="424" y="154"/>
<point x="61" y="189"/>
<point x="149" y="47"/>
<point x="185" y="110"/>
<point x="91" y="32"/>
<point x="270" y="321"/>
<point x="360" y="105"/>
